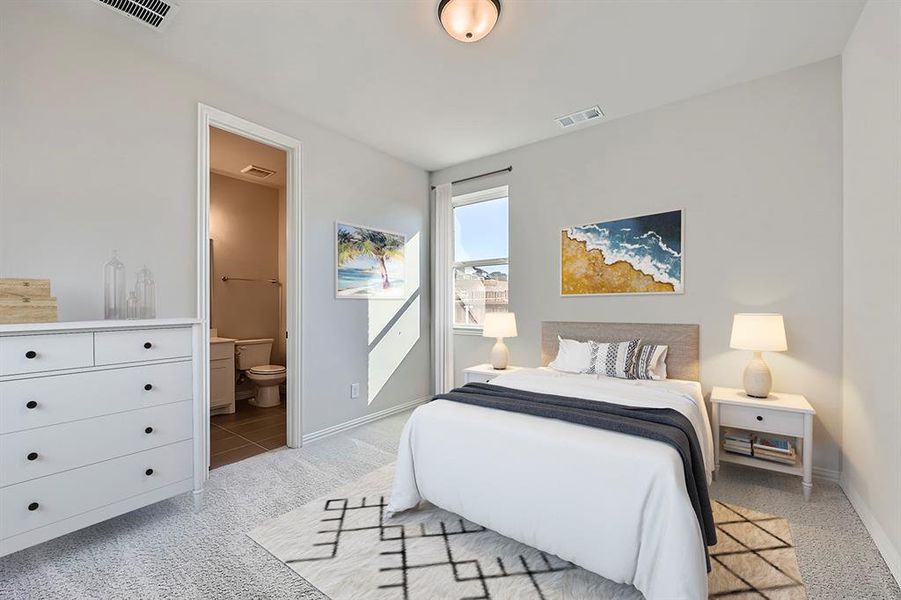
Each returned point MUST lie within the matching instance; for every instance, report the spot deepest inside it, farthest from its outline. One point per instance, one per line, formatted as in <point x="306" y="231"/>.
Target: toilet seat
<point x="268" y="370"/>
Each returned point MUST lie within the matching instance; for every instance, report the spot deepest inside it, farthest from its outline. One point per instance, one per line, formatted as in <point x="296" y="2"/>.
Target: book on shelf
<point x="760" y="446"/>
<point x="779" y="457"/>
<point x="737" y="449"/>
<point x="774" y="445"/>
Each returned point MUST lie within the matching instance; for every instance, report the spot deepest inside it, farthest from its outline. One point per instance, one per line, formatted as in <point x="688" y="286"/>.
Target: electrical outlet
<point x="355" y="390"/>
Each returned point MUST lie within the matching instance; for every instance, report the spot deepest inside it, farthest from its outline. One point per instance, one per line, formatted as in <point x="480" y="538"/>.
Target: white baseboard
<point x="828" y="474"/>
<point x="888" y="550"/>
<point x="322" y="433"/>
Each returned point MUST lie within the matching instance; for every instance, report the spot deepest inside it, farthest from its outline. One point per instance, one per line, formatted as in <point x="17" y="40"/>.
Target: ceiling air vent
<point x="255" y="171"/>
<point x="582" y="116"/>
<point x="153" y="13"/>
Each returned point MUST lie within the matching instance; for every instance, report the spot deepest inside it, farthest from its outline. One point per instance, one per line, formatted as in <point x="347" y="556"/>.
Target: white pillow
<point x="651" y="362"/>
<point x="572" y="357"/>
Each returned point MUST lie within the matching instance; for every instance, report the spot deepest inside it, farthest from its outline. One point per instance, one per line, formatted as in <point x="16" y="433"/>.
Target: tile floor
<point x="246" y="432"/>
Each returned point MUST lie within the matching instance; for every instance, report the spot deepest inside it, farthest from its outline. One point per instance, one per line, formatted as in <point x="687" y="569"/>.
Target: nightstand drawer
<point x="479" y="378"/>
<point x="762" y="419"/>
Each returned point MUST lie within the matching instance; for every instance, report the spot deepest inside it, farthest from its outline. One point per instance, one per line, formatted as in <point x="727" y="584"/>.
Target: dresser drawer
<point x="35" y="353"/>
<point x="117" y="347"/>
<point x="762" y="419"/>
<point x="27" y="455"/>
<point x="42" y="401"/>
<point x="39" y="502"/>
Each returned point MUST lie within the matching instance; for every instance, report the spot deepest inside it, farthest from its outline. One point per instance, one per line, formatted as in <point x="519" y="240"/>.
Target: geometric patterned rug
<point x="344" y="545"/>
<point x="754" y="556"/>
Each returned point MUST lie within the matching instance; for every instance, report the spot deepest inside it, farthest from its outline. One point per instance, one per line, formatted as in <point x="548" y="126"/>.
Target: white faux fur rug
<point x="342" y="544"/>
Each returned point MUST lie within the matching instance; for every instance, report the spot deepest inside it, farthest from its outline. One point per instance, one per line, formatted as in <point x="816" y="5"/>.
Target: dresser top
<point x="23" y="328"/>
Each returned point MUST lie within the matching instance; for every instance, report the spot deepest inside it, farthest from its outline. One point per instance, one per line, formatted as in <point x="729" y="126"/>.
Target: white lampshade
<point x="499" y="325"/>
<point x="468" y="20"/>
<point x="760" y="332"/>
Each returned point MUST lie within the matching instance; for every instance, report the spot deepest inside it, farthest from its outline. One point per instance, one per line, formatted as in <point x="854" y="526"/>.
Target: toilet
<point x="252" y="357"/>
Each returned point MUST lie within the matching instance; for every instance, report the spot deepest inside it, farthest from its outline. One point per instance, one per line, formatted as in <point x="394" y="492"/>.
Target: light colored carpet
<point x="345" y="545"/>
<point x="167" y="551"/>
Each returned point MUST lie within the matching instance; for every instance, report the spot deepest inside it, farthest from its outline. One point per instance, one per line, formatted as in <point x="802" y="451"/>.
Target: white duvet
<point x="611" y="503"/>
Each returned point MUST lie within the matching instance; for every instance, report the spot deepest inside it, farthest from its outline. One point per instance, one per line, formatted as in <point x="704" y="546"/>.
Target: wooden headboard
<point x="683" y="355"/>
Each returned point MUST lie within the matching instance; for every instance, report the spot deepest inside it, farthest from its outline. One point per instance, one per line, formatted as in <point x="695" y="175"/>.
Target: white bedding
<point x="612" y="503"/>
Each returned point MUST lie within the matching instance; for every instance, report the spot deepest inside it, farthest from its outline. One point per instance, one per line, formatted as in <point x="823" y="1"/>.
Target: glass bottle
<point x="132" y="306"/>
<point x="145" y="290"/>
<point x="114" y="288"/>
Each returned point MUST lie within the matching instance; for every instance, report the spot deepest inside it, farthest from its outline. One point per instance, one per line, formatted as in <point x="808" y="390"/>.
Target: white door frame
<point x="207" y="117"/>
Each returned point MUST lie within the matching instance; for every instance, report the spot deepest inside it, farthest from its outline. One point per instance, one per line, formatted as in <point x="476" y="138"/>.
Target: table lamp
<point x="499" y="325"/>
<point x="758" y="332"/>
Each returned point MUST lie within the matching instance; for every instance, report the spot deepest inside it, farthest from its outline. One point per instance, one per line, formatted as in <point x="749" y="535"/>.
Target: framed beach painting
<point x="637" y="255"/>
<point x="369" y="262"/>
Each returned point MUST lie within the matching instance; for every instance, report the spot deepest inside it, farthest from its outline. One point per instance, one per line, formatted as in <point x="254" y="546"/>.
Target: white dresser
<point x="96" y="419"/>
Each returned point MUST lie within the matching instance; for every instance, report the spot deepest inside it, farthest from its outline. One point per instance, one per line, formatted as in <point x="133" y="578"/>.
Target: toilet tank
<point x="252" y="353"/>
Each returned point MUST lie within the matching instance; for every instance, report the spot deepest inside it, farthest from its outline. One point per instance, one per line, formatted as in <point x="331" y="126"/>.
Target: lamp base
<point x="500" y="356"/>
<point x="758" y="380"/>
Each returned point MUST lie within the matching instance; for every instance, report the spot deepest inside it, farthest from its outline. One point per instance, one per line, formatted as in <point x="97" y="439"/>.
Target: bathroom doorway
<point x="249" y="294"/>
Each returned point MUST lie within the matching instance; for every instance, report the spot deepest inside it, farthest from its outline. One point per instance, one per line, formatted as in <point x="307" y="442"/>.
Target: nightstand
<point x="785" y="415"/>
<point x="484" y="373"/>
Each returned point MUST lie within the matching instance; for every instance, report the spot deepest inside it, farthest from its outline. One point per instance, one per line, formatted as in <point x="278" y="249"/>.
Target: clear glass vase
<point x="132" y="307"/>
<point x="114" y="288"/>
<point x="145" y="290"/>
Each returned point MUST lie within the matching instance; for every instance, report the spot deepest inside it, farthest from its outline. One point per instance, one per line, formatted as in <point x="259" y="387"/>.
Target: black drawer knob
<point x="148" y="345"/>
<point x="32" y="456"/>
<point x="31" y="354"/>
<point x="33" y="506"/>
<point x="148" y="387"/>
<point x="148" y="472"/>
<point x="31" y="404"/>
<point x="759" y="418"/>
<point x="148" y="430"/>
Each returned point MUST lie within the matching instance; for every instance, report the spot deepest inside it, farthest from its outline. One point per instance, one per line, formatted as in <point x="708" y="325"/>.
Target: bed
<point x="611" y="503"/>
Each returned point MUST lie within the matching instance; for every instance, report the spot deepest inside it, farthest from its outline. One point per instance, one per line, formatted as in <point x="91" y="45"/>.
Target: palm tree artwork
<point x="370" y="262"/>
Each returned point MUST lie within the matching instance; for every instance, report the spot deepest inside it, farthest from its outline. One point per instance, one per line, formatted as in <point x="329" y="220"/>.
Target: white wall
<point x="98" y="141"/>
<point x="871" y="412"/>
<point x="757" y="169"/>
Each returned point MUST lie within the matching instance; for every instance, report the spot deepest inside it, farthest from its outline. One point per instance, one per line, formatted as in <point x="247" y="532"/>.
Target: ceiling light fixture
<point x="468" y="20"/>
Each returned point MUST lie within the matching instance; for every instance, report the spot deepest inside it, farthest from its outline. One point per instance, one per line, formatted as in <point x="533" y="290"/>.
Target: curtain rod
<point x="506" y="170"/>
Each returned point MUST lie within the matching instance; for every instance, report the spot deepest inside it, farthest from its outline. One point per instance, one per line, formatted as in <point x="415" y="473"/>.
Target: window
<point x="481" y="236"/>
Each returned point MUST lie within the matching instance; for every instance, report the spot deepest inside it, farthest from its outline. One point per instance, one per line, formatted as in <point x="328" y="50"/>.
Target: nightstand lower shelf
<point x="750" y="461"/>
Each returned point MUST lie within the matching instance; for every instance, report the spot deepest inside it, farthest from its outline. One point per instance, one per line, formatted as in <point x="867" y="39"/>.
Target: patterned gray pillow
<point x="614" y="359"/>
<point x="651" y="362"/>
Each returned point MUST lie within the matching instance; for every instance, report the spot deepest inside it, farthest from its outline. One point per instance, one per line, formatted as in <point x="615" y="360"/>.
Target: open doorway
<point x="249" y="288"/>
<point x="248" y="240"/>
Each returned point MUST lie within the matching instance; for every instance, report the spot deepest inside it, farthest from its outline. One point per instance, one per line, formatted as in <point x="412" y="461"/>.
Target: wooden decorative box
<point x="27" y="301"/>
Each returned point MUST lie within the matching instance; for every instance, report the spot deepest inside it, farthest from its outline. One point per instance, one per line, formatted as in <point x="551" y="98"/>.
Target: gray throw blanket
<point x="662" y="424"/>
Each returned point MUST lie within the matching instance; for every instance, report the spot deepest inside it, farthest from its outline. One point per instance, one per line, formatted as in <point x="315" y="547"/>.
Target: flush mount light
<point x="468" y="20"/>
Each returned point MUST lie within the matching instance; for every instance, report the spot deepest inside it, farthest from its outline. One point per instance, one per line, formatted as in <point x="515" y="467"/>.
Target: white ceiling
<point x="385" y="73"/>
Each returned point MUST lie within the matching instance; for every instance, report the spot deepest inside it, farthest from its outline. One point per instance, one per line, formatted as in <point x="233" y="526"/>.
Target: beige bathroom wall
<point x="244" y="227"/>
